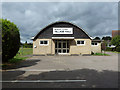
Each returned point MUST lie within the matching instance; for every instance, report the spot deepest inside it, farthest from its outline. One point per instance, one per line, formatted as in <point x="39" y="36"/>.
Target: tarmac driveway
<point x="64" y="72"/>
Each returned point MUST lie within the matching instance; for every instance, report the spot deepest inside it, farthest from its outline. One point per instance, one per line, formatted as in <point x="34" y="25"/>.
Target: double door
<point x="61" y="46"/>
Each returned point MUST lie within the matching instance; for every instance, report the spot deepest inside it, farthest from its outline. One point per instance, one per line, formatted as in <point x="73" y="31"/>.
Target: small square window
<point x="45" y="42"/>
<point x="78" y="42"/>
<point x="95" y="43"/>
<point x="41" y="42"/>
<point x="82" y="42"/>
<point x="92" y="43"/>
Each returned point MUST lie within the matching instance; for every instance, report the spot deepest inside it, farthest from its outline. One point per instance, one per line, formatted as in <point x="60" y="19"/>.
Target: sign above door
<point x="62" y="30"/>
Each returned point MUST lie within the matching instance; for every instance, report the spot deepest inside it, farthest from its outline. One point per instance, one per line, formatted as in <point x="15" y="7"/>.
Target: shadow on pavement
<point x="25" y="63"/>
<point x="11" y="75"/>
<point x="95" y="79"/>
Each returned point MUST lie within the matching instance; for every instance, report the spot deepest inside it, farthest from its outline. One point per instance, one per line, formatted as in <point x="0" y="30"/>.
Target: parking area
<point x="97" y="71"/>
<point x="50" y="63"/>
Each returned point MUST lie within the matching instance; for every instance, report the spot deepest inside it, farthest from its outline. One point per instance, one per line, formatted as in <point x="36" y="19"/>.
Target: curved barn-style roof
<point x="58" y="23"/>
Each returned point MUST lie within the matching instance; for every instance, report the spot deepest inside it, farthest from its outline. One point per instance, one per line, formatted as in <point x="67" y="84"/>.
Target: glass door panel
<point x="64" y="44"/>
<point x="61" y="46"/>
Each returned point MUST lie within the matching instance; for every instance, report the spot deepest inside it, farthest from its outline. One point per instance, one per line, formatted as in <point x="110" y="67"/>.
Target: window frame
<point x="80" y="42"/>
<point x="94" y="43"/>
<point x="43" y="43"/>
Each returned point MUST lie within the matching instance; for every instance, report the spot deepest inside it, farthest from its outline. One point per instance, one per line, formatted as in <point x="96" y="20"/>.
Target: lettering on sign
<point x="62" y="30"/>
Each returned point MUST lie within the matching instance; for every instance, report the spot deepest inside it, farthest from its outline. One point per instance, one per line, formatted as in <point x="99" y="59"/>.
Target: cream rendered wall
<point x="81" y="49"/>
<point x="96" y="48"/>
<point x="43" y="49"/>
<point x="74" y="48"/>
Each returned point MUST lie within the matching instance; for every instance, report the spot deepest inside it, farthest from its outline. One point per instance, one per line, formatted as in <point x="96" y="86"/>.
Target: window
<point x="94" y="43"/>
<point x="80" y="42"/>
<point x="44" y="42"/>
<point x="110" y="45"/>
<point x="41" y="42"/>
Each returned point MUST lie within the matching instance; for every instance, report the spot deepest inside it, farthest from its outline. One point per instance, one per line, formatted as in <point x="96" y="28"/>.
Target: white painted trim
<point x="81" y="44"/>
<point x="42" y="81"/>
<point x="44" y="44"/>
<point x="94" y="45"/>
<point x="62" y="37"/>
<point x="64" y="53"/>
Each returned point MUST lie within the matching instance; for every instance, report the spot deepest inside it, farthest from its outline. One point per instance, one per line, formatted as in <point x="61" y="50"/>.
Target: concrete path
<point x="97" y="71"/>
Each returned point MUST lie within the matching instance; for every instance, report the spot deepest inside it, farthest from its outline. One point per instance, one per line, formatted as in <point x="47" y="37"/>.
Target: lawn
<point x="22" y="54"/>
<point x="101" y="54"/>
<point x="25" y="51"/>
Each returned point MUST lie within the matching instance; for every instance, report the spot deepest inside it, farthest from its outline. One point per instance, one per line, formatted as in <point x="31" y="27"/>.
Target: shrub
<point x="10" y="40"/>
<point x="116" y="41"/>
<point x="118" y="49"/>
<point x="109" y="49"/>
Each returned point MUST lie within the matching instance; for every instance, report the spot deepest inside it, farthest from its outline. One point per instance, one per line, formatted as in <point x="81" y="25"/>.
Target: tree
<point x="10" y="40"/>
<point x="116" y="41"/>
<point x="106" y="38"/>
<point x="96" y="38"/>
<point x="26" y="42"/>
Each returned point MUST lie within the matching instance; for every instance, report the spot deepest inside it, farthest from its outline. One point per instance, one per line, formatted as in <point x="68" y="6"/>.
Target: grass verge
<point x="101" y="54"/>
<point x="22" y="54"/>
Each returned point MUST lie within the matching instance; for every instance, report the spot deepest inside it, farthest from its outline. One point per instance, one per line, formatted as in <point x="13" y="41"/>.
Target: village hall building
<point x="64" y="38"/>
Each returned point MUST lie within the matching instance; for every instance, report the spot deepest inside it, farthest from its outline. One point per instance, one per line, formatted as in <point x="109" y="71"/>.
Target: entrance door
<point x="61" y="46"/>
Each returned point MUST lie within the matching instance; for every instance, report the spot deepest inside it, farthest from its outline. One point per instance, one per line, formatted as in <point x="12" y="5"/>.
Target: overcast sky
<point x="97" y="19"/>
